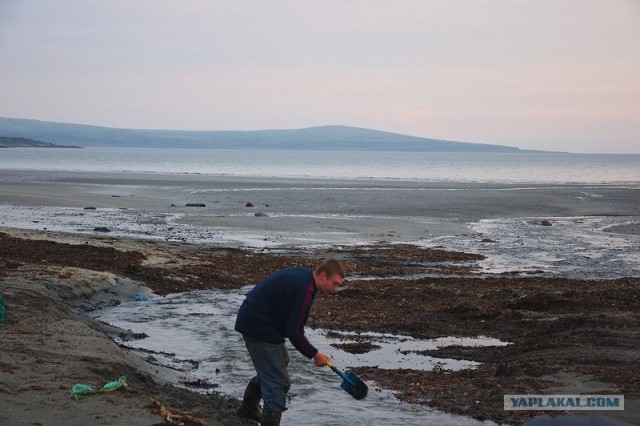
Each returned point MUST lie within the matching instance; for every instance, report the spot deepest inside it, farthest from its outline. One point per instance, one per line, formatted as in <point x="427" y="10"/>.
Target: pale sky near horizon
<point x="558" y="75"/>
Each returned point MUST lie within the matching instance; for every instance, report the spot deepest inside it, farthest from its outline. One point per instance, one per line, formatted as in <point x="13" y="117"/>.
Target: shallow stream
<point x="192" y="334"/>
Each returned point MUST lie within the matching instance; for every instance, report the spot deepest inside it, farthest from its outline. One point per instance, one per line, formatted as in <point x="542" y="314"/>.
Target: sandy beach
<point x="566" y="335"/>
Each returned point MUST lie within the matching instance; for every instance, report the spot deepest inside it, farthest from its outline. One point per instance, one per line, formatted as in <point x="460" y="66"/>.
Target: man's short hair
<point x="330" y="267"/>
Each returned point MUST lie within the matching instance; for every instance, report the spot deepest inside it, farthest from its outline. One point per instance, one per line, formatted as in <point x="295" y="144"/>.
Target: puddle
<point x="397" y="351"/>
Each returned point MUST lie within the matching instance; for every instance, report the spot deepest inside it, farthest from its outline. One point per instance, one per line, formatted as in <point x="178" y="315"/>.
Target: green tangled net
<point x="79" y="389"/>
<point x="3" y="308"/>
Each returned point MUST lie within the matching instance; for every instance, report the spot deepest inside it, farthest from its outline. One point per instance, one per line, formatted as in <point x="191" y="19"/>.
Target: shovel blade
<point x="354" y="386"/>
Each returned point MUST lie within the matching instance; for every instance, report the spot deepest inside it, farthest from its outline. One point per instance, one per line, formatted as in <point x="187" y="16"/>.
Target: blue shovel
<point x="351" y="383"/>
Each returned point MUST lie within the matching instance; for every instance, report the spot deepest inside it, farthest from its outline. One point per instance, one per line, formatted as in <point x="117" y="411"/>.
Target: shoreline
<point x="281" y="213"/>
<point x="49" y="344"/>
<point x="37" y="294"/>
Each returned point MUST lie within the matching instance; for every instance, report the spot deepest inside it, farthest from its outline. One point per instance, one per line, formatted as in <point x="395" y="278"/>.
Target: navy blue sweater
<point x="278" y="308"/>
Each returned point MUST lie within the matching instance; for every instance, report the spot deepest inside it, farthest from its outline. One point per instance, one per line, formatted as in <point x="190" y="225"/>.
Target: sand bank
<point x="47" y="346"/>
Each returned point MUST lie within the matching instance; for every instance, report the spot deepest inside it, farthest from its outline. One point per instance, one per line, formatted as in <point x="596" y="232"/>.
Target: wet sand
<point x="223" y="194"/>
<point x="288" y="212"/>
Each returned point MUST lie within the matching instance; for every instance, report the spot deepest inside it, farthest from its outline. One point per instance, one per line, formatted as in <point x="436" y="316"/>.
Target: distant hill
<point x="18" y="142"/>
<point x="340" y="138"/>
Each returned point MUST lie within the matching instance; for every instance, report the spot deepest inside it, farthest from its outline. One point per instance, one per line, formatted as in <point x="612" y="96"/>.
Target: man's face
<point x="328" y="285"/>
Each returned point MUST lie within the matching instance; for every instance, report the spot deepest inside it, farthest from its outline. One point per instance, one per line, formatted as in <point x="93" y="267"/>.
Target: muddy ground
<point x="567" y="336"/>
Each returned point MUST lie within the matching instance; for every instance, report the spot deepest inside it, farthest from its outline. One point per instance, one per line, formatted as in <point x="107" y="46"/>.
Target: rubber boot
<point x="250" y="407"/>
<point x="270" y="418"/>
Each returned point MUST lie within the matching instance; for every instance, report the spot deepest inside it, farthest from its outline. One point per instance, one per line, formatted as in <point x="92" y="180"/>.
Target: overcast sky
<point x="536" y="74"/>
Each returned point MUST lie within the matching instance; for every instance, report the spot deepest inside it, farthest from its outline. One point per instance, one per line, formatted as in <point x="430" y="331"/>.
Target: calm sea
<point x="420" y="166"/>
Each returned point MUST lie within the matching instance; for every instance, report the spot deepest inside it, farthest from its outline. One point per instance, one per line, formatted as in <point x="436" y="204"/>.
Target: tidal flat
<point x="565" y="335"/>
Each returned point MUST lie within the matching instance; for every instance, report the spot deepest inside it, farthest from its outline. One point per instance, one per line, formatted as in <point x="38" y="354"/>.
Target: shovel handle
<point x="340" y="373"/>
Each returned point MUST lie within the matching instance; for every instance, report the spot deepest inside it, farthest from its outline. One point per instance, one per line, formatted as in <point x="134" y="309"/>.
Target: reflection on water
<point x="193" y="332"/>
<point x="574" y="247"/>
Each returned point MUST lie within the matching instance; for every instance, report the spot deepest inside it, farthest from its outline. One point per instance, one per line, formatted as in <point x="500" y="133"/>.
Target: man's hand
<point x="320" y="359"/>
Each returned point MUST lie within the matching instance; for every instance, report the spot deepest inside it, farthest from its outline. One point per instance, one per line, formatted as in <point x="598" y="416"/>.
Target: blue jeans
<point x="270" y="361"/>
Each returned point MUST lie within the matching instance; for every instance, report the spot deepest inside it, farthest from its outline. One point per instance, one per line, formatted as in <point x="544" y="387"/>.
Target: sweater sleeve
<point x="297" y="320"/>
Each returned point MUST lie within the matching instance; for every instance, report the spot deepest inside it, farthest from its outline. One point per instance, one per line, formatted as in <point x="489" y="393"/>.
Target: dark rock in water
<point x="261" y="214"/>
<point x="249" y="204"/>
<point x="172" y="205"/>
<point x="195" y="205"/>
<point x="101" y="229"/>
<point x="545" y="222"/>
<point x="89" y="208"/>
